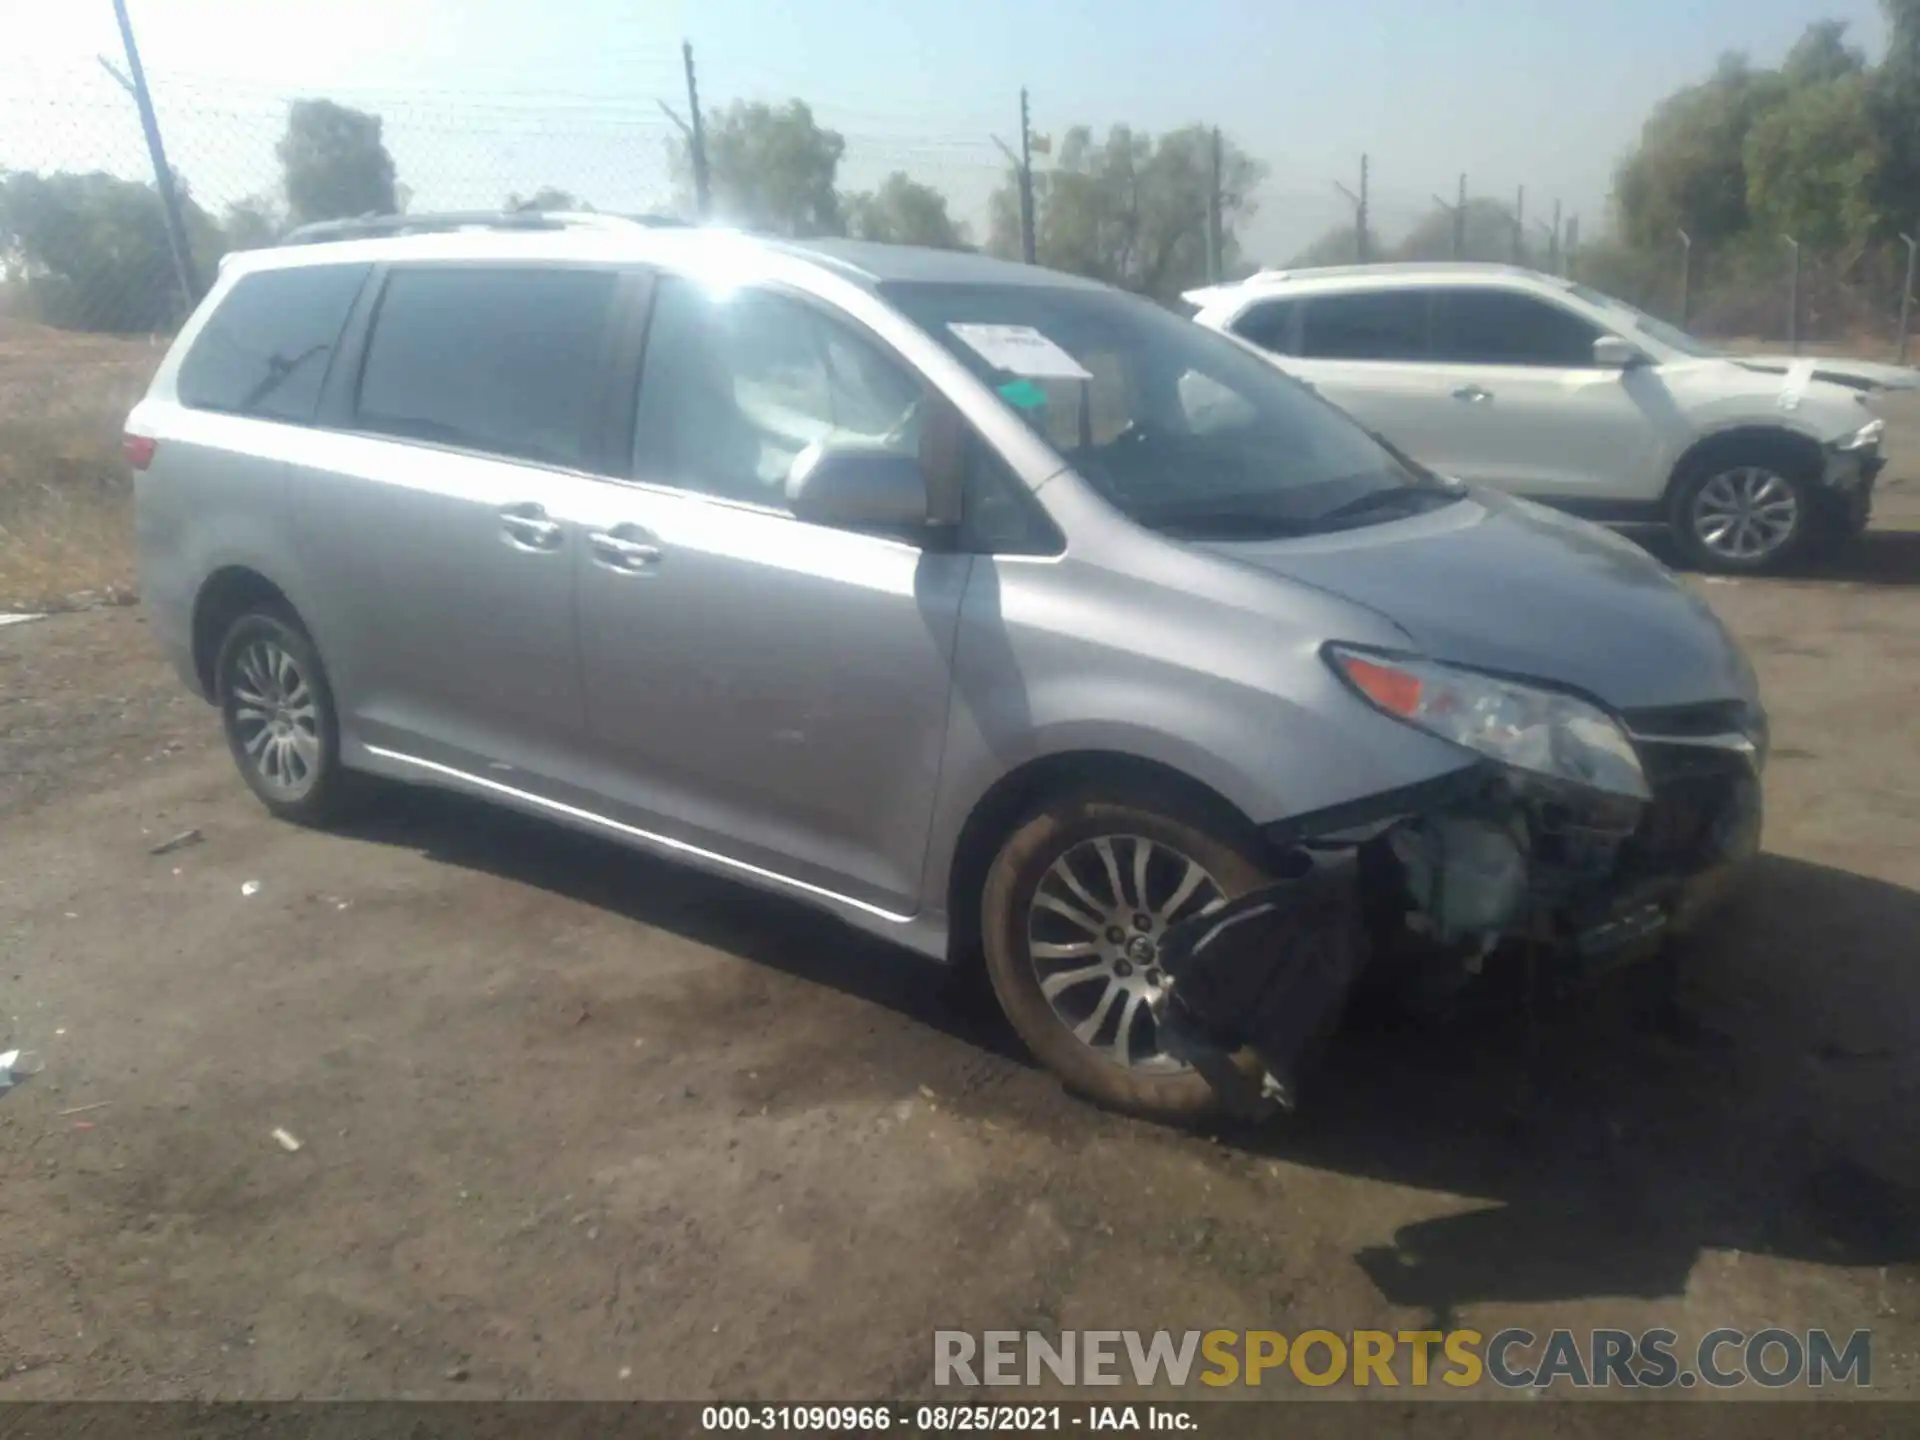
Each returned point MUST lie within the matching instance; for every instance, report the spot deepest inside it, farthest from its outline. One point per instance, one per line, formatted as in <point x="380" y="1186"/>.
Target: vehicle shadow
<point x="1608" y="1161"/>
<point x="752" y="924"/>
<point x="1879" y="557"/>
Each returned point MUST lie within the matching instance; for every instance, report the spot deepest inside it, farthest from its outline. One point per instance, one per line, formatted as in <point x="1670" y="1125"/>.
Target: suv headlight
<point x="1542" y="731"/>
<point x="1867" y="437"/>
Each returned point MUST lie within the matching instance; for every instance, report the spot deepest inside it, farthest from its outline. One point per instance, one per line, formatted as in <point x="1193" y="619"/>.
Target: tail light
<point x="139" y="450"/>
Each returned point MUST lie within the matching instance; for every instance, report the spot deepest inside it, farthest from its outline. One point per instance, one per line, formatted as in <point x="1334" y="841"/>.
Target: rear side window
<point x="1268" y="325"/>
<point x="1366" y="325"/>
<point x="1501" y="327"/>
<point x="265" y="351"/>
<point x="504" y="359"/>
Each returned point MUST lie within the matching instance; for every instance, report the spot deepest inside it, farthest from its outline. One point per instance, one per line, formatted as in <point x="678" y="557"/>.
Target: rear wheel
<point x="1746" y="510"/>
<point x="1074" y="908"/>
<point x="276" y="708"/>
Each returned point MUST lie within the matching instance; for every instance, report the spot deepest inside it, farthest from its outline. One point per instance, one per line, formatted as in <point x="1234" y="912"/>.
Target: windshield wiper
<point x="1220" y="523"/>
<point x="1396" y="497"/>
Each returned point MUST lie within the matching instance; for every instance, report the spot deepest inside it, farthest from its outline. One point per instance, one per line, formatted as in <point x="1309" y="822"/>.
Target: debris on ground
<point x="252" y="887"/>
<point x="178" y="842"/>
<point x="84" y="1109"/>
<point x="288" y="1141"/>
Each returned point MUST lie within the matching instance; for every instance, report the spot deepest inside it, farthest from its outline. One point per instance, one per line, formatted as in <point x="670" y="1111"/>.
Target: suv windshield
<point x="1671" y="336"/>
<point x="1180" y="429"/>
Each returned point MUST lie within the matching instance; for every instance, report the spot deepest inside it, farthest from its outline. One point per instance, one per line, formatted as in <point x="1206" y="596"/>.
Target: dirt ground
<point x="574" y="1123"/>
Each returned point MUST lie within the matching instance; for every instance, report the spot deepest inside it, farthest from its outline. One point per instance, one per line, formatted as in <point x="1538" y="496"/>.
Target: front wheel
<point x="1745" y="512"/>
<point x="1074" y="909"/>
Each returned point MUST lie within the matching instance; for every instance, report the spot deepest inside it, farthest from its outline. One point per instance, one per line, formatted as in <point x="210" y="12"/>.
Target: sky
<point x="485" y="97"/>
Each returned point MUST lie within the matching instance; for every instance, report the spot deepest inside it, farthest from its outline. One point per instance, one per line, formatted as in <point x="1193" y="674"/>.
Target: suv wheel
<point x="1071" y="917"/>
<point x="277" y="711"/>
<point x="1746" y="511"/>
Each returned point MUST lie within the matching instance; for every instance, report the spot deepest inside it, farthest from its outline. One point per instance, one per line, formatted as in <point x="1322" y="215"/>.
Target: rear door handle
<point x="1473" y="394"/>
<point x="625" y="548"/>
<point x="525" y="526"/>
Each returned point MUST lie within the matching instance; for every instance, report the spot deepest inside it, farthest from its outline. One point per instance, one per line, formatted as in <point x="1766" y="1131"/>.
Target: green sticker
<point x="1025" y="394"/>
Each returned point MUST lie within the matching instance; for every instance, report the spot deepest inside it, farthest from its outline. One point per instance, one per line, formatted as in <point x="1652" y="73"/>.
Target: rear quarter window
<point x="264" y="352"/>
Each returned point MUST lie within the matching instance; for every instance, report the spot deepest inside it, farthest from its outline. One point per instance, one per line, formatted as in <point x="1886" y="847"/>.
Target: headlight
<point x="1542" y="731"/>
<point x="1867" y="437"/>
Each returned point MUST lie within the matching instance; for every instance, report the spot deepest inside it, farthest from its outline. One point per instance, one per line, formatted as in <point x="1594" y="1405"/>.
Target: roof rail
<point x="369" y="227"/>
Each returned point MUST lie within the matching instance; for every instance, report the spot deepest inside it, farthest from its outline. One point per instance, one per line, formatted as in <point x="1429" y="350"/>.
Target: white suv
<point x="1532" y="384"/>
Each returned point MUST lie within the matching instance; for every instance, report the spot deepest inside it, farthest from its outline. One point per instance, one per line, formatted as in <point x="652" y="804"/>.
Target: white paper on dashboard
<point x="1022" y="350"/>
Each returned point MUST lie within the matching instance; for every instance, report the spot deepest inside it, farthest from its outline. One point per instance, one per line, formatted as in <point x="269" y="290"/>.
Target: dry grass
<point x="66" y="514"/>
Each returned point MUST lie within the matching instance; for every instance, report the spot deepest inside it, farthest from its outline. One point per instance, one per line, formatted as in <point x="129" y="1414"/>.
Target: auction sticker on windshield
<point x="1021" y="350"/>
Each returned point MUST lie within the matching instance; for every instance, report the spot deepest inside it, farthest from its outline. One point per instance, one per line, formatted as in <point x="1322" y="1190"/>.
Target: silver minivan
<point x="998" y="612"/>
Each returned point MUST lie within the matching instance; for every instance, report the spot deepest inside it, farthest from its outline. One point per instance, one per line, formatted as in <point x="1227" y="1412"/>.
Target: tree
<point x="904" y="212"/>
<point x="771" y="169"/>
<point x="1812" y="162"/>
<point x="335" y="164"/>
<point x="253" y="222"/>
<point x="1893" y="103"/>
<point x="92" y="250"/>
<point x="1689" y="172"/>
<point x="1132" y="210"/>
<point x="1821" y="54"/>
<point x="547" y="197"/>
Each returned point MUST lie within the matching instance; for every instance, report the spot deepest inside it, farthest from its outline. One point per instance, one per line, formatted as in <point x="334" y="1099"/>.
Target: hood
<point x="1503" y="585"/>
<point x="1854" y="374"/>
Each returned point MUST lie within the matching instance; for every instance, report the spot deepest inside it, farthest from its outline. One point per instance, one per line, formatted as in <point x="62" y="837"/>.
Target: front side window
<point x="1179" y="428"/>
<point x="500" y="359"/>
<point x="1502" y="327"/>
<point x="736" y="384"/>
<point x="265" y="351"/>
<point x="1366" y="325"/>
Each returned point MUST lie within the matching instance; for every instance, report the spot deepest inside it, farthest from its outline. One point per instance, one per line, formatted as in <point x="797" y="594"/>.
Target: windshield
<point x="1671" y="336"/>
<point x="1177" y="427"/>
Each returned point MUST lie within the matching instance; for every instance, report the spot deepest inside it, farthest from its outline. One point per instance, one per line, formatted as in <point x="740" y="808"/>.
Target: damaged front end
<point x="1418" y="889"/>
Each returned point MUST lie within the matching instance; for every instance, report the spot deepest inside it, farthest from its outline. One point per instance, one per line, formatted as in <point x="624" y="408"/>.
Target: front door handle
<point x="1473" y="394"/>
<point x="525" y="526"/>
<point x="625" y="548"/>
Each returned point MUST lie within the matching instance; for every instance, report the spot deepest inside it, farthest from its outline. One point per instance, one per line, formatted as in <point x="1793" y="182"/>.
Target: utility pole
<point x="1361" y="248"/>
<point x="1553" y="244"/>
<point x="1573" y="244"/>
<point x="702" y="192"/>
<point x="1520" y="227"/>
<point x="1216" y="240"/>
<point x="1029" y="249"/>
<point x="696" y="136"/>
<point x="1686" y="275"/>
<point x="162" y="172"/>
<point x="1793" y="298"/>
<point x="1906" y="294"/>
<point x="1457" y="212"/>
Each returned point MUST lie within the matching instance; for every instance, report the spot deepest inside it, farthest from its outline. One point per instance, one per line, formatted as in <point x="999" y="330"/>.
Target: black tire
<point x="1229" y="856"/>
<point x="317" y="789"/>
<point x="1701" y="489"/>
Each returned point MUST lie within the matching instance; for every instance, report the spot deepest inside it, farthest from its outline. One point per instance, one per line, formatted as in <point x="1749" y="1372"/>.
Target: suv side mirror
<point x="1610" y="352"/>
<point x="858" y="488"/>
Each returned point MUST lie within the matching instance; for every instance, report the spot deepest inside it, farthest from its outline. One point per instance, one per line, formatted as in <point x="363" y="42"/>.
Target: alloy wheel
<point x="1745" y="514"/>
<point x="275" y="718"/>
<point x="1094" y="929"/>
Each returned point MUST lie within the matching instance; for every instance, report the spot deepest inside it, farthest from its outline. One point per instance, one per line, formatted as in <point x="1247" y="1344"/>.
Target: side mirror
<point x="1610" y="352"/>
<point x="861" y="488"/>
